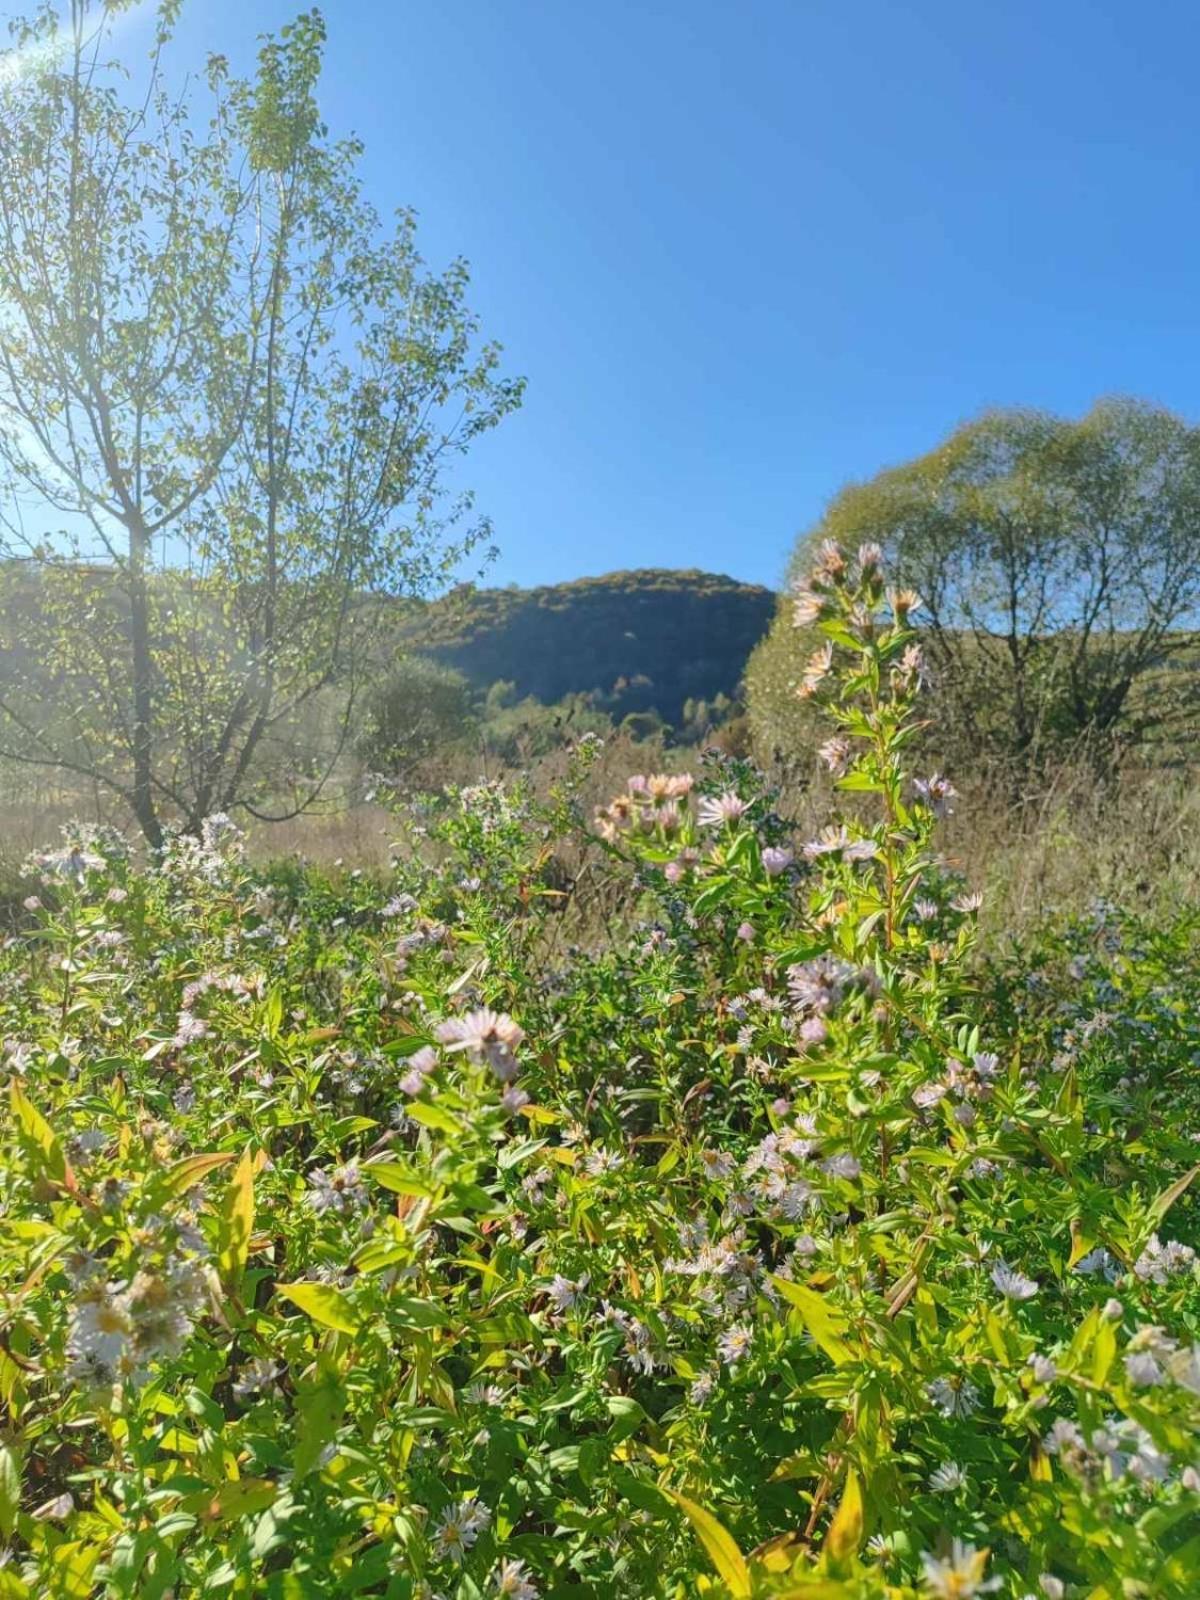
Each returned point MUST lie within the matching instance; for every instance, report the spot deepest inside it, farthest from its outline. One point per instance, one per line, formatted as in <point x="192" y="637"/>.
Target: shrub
<point x="392" y="1246"/>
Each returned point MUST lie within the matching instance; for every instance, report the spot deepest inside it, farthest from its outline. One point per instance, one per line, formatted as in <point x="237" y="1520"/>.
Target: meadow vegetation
<point x="489" y="1107"/>
<point x="384" y="1239"/>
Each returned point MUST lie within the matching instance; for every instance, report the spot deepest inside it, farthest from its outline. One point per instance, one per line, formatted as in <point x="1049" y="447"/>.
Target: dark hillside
<point x="641" y="640"/>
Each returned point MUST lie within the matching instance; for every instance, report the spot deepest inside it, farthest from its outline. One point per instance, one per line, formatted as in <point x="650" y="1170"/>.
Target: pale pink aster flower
<point x="512" y="1582"/>
<point x="807" y="606"/>
<point x="831" y="562"/>
<point x="836" y="753"/>
<point x="870" y="557"/>
<point x="937" y="793"/>
<point x="816" y="670"/>
<point x="776" y="859"/>
<point x="734" y="1344"/>
<point x="489" y="1036"/>
<point x="959" y="1575"/>
<point x="716" y="810"/>
<point x="1013" y="1285"/>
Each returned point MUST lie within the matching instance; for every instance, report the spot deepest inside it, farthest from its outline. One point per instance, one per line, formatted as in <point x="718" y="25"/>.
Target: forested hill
<point x="641" y="640"/>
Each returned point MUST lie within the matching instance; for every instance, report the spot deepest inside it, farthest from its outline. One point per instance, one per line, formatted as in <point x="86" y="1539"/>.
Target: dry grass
<point x="1047" y="849"/>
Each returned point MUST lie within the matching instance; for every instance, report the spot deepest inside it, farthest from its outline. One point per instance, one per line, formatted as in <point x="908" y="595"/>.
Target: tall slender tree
<point x="228" y="402"/>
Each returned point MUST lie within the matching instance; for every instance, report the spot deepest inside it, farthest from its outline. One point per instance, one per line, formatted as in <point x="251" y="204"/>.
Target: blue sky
<point x="746" y="250"/>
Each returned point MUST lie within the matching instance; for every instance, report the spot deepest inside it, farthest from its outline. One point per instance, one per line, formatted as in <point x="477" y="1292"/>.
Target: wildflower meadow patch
<point x="376" y="1239"/>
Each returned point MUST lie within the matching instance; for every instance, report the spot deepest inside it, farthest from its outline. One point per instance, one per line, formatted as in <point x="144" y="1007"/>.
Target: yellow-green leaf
<point x="10" y="1488"/>
<point x="433" y="1116"/>
<point x="37" y="1136"/>
<point x="186" y="1174"/>
<point x="719" y="1544"/>
<point x="846" y="1529"/>
<point x="236" y="1222"/>
<point x="323" y="1303"/>
<point x="822" y="1321"/>
<point x="397" y="1177"/>
<point x="1163" y="1202"/>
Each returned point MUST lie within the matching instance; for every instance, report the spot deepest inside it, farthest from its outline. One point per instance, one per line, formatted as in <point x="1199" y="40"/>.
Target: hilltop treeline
<point x="641" y="641"/>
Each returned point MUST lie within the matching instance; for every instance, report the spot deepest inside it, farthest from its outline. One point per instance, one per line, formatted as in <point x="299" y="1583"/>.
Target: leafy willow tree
<point x="237" y="395"/>
<point x="1059" y="567"/>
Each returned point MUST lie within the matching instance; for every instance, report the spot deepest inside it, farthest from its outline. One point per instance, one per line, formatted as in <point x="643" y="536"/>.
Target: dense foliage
<point x="641" y="641"/>
<point x="387" y="1244"/>
<point x="1058" y="561"/>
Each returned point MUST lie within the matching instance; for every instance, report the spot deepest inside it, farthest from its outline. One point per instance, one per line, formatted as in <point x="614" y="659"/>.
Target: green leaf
<point x="822" y="1321"/>
<point x="433" y="1116"/>
<point x="719" y="1545"/>
<point x="186" y="1174"/>
<point x="10" y="1488"/>
<point x="38" y="1137"/>
<point x="235" y="1223"/>
<point x="319" y="1408"/>
<point x="846" y="1529"/>
<point x="398" y="1177"/>
<point x="1163" y="1202"/>
<point x="323" y="1303"/>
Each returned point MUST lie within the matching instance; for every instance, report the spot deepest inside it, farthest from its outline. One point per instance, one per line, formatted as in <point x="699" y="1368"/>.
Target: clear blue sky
<point x="746" y="250"/>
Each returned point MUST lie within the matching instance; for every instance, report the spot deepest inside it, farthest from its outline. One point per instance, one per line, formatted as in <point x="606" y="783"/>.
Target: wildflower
<point x="967" y="903"/>
<point x="830" y="563"/>
<point x="458" y="1528"/>
<point x="1142" y="1369"/>
<point x="101" y="1334"/>
<point x="903" y="602"/>
<point x="947" y="1478"/>
<point x="490" y="1036"/>
<point x="1113" y="1310"/>
<point x="958" y="1576"/>
<point x="869" y="558"/>
<point x="1013" y="1285"/>
<point x="716" y="1164"/>
<point x="937" y="793"/>
<point x="1096" y="1261"/>
<point x="842" y="1166"/>
<point x="953" y="1397"/>
<point x="925" y="910"/>
<point x="1184" y="1367"/>
<point x="818" y="985"/>
<point x="1043" y="1368"/>
<point x="746" y="933"/>
<point x="340" y="1191"/>
<point x="860" y="850"/>
<point x="716" y="810"/>
<point x="734" y="1344"/>
<point x="806" y="606"/>
<point x="702" y="1388"/>
<point x="513" y="1582"/>
<point x="188" y="1029"/>
<point x="1158" y="1262"/>
<point x="420" y="1064"/>
<point x="483" y="1394"/>
<point x="776" y="859"/>
<point x="255" y="1377"/>
<point x="564" y="1293"/>
<point x="513" y="1099"/>
<point x="816" y="670"/>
